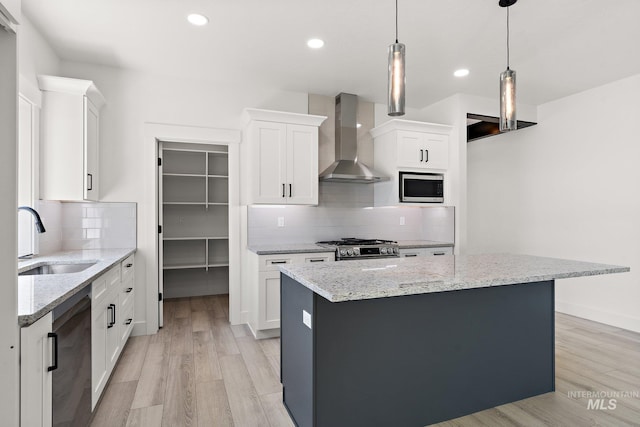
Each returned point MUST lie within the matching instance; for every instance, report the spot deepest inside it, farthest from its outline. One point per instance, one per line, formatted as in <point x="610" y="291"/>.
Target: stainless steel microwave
<point x="421" y="187"/>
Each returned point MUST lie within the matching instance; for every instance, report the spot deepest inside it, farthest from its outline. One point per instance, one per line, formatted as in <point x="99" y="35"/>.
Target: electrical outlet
<point x="402" y="220"/>
<point x="280" y="221"/>
<point x="306" y="318"/>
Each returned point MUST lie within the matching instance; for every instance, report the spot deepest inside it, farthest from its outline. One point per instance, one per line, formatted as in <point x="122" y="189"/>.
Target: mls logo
<point x="602" y="404"/>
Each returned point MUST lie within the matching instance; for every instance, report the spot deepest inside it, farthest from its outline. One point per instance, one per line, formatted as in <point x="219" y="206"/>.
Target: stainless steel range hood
<point x="347" y="168"/>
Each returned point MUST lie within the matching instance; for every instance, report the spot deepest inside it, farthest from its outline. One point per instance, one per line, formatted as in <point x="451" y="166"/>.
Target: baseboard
<point x="139" y="328"/>
<point x="244" y="316"/>
<point x="264" y="334"/>
<point x="590" y="313"/>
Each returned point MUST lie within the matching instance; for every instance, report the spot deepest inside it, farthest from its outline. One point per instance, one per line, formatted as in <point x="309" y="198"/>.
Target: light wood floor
<point x="201" y="371"/>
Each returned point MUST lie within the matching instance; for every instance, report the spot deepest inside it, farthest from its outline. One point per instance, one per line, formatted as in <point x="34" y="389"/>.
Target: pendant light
<point x="508" y="119"/>
<point x="396" y="75"/>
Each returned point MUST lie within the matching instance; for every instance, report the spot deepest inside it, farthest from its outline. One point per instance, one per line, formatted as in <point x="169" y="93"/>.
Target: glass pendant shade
<point x="508" y="119"/>
<point x="396" y="79"/>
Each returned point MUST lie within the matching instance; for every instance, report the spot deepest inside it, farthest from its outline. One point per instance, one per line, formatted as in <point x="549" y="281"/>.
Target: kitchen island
<point x="415" y="341"/>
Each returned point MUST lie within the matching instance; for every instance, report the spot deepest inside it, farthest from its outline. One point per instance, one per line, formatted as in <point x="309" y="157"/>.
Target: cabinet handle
<point x="289" y="190"/>
<point x="283" y="195"/>
<point x="90" y="184"/>
<point x="55" y="351"/>
<point x="278" y="262"/>
<point x="426" y="152"/>
<point x="112" y="307"/>
<point x="316" y="260"/>
<point x="129" y="265"/>
<point x="410" y="255"/>
<point x="438" y="253"/>
<point x="130" y="289"/>
<point x="128" y="322"/>
<point x="421" y="155"/>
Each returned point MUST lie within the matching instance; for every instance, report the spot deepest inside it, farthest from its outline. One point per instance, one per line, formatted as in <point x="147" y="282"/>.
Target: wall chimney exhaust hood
<point x="347" y="168"/>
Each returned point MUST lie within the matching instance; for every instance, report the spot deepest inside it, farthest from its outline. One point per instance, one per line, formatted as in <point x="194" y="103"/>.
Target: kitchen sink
<point x="57" y="268"/>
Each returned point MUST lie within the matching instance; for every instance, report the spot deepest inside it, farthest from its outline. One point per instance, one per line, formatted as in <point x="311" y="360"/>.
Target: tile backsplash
<point x="303" y="224"/>
<point x="77" y="225"/>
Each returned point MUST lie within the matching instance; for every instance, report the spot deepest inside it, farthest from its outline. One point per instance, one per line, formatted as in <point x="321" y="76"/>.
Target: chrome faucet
<point x="39" y="225"/>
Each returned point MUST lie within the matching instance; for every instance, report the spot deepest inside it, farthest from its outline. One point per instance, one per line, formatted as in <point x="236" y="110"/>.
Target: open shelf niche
<point x="194" y="196"/>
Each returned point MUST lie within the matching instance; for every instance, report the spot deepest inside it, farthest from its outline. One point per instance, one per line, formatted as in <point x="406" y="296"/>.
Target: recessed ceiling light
<point x="315" y="43"/>
<point x="358" y="125"/>
<point x="197" y="19"/>
<point x="463" y="72"/>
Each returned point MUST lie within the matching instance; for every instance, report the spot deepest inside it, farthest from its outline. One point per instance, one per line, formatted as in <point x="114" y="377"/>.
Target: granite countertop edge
<point x="301" y="248"/>
<point x="413" y="244"/>
<point x="54" y="289"/>
<point x="288" y="248"/>
<point x="436" y="283"/>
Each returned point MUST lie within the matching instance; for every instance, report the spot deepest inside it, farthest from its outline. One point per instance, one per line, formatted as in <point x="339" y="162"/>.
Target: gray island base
<point x="413" y="359"/>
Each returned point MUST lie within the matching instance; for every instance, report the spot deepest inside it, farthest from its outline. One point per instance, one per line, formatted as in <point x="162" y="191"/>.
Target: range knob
<point x="343" y="252"/>
<point x="383" y="250"/>
<point x="350" y="252"/>
<point x="395" y="250"/>
<point x="356" y="251"/>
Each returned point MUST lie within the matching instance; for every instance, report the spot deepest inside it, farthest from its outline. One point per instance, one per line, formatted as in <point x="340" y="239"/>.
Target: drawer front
<point x="273" y="262"/>
<point x="126" y="323"/>
<point x="98" y="289"/>
<point x="113" y="277"/>
<point x="127" y="295"/>
<point x="448" y="250"/>
<point x="128" y="268"/>
<point x="321" y="257"/>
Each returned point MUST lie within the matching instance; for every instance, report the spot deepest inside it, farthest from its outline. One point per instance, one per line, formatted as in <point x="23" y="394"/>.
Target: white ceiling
<point x="557" y="47"/>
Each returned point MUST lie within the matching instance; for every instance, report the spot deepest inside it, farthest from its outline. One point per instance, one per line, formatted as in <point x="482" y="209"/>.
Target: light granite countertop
<point x="411" y="244"/>
<point x="288" y="248"/>
<point x="39" y="294"/>
<point x="380" y="278"/>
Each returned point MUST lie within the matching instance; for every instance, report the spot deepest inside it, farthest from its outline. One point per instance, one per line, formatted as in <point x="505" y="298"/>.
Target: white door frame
<point x="148" y="208"/>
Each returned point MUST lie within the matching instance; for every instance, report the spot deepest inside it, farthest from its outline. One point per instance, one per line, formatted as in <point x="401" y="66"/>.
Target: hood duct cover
<point x="347" y="168"/>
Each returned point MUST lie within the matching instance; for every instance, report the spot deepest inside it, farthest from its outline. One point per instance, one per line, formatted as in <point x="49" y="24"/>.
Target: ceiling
<point x="557" y="47"/>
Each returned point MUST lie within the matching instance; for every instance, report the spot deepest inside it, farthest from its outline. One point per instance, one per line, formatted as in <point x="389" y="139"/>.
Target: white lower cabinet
<point x="265" y="278"/>
<point x="447" y="250"/>
<point x="35" y="377"/>
<point x="111" y="322"/>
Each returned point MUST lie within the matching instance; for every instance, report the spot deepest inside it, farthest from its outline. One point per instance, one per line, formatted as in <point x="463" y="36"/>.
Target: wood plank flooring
<point x="201" y="371"/>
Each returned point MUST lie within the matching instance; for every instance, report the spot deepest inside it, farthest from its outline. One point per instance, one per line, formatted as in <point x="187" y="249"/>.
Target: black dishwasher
<point x="71" y="401"/>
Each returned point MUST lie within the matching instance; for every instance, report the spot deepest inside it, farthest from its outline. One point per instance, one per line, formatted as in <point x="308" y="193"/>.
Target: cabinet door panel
<point x="409" y="149"/>
<point x="98" y="350"/>
<point x="269" y="300"/>
<point x="269" y="174"/>
<point x="302" y="165"/>
<point x="437" y="151"/>
<point x="91" y="137"/>
<point x="114" y="317"/>
<point x="35" y="379"/>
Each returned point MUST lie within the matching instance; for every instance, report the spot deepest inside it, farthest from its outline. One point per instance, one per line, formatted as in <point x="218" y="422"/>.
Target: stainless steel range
<point x="353" y="248"/>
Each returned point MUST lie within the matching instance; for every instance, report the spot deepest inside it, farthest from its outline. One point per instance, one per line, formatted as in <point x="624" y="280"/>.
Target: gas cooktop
<point x="354" y="248"/>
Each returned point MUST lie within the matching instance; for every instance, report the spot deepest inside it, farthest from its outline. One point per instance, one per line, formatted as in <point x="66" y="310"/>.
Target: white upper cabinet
<point x="280" y="152"/>
<point x="409" y="146"/>
<point x="413" y="145"/>
<point x="421" y="150"/>
<point x="10" y="12"/>
<point x="69" y="151"/>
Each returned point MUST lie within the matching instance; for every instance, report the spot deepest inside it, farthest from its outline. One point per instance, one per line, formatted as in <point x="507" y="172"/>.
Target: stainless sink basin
<point x="57" y="269"/>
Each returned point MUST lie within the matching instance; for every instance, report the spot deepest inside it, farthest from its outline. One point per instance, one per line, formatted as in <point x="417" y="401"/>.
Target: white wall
<point x="134" y="99"/>
<point x="35" y="55"/>
<point x="453" y="111"/>
<point x="568" y="188"/>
